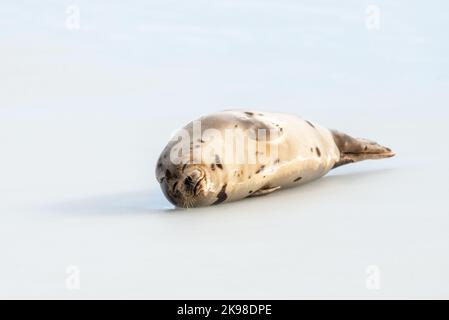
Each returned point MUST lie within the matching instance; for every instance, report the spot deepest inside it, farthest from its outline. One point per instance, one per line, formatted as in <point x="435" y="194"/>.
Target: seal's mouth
<point x="189" y="196"/>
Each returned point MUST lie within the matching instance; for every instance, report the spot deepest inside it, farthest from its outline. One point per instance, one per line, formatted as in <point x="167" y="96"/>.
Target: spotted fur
<point x="305" y="151"/>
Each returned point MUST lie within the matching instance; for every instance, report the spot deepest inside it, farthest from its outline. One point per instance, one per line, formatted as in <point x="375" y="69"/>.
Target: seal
<point x="235" y="154"/>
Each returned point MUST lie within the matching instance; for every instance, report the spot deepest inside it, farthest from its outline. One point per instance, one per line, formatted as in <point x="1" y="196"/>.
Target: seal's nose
<point x="192" y="180"/>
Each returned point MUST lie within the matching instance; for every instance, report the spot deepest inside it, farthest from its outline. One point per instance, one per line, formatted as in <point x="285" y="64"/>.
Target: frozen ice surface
<point x="85" y="113"/>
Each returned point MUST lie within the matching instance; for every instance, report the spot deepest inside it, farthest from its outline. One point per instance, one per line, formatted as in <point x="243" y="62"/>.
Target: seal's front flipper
<point x="263" y="191"/>
<point x="355" y="149"/>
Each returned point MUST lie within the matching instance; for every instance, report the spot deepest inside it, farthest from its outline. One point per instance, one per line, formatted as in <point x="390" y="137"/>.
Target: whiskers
<point x="187" y="187"/>
<point x="188" y="202"/>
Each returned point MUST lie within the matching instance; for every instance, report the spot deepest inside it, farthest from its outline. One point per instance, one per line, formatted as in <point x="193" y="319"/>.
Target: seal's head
<point x="186" y="185"/>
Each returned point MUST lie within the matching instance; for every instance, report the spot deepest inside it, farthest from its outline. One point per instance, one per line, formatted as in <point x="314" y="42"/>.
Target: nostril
<point x="188" y="181"/>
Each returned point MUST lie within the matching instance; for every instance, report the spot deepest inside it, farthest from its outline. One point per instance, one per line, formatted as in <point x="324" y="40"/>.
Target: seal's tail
<point x="355" y="149"/>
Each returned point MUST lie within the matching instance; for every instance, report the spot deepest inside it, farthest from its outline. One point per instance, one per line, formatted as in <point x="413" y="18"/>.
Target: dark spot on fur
<point x="212" y="166"/>
<point x="249" y="177"/>
<point x="311" y="150"/>
<point x="168" y="174"/>
<point x="201" y="140"/>
<point x="366" y="148"/>
<point x="250" y="191"/>
<point x="175" y="185"/>
<point x="219" y="165"/>
<point x="318" y="152"/>
<point x="184" y="166"/>
<point x="221" y="196"/>
<point x="297" y="179"/>
<point x="388" y="149"/>
<point x="277" y="161"/>
<point x="281" y="129"/>
<point x="260" y="169"/>
<point x="310" y="124"/>
<point x="249" y="114"/>
<point x="236" y="126"/>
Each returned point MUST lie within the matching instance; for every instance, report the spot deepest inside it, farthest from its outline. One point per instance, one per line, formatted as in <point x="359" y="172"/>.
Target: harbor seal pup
<point x="236" y="154"/>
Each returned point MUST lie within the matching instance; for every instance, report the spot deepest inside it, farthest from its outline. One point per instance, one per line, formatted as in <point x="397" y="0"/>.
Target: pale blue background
<point x="84" y="115"/>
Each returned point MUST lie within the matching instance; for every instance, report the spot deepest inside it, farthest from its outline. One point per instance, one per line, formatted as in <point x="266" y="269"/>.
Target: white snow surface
<point x="85" y="113"/>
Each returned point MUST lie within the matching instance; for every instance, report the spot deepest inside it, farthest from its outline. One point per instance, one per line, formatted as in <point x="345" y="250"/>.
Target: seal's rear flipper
<point x="355" y="149"/>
